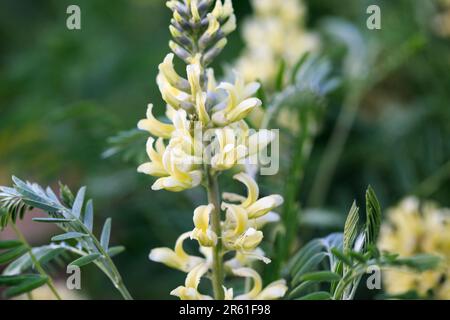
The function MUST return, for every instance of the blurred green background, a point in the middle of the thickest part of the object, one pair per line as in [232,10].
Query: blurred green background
[64,93]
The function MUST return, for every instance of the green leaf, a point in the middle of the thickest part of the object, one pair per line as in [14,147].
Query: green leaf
[78,202]
[351,227]
[373,217]
[279,81]
[321,295]
[114,251]
[15,280]
[40,205]
[298,65]
[305,254]
[12,254]
[53,220]
[106,233]
[25,286]
[322,276]
[308,266]
[420,262]
[68,236]
[357,256]
[43,254]
[80,262]
[89,215]
[304,286]
[8,244]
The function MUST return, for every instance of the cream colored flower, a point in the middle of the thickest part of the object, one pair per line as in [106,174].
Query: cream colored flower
[273,291]
[228,149]
[155,127]
[155,167]
[233,145]
[202,232]
[274,34]
[177,258]
[190,290]
[255,207]
[239,103]
[415,228]
[176,165]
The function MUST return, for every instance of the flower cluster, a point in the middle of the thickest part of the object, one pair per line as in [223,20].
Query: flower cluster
[198,106]
[416,228]
[241,234]
[271,37]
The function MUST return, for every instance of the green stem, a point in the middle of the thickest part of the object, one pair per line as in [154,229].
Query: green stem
[36,262]
[212,188]
[334,148]
[115,276]
[290,209]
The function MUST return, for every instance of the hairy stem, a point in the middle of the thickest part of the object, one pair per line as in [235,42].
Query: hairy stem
[212,188]
[36,262]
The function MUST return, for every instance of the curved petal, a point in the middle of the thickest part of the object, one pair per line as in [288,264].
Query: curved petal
[264,205]
[257,283]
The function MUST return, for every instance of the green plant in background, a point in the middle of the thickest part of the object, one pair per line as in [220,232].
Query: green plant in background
[415,228]
[74,216]
[198,105]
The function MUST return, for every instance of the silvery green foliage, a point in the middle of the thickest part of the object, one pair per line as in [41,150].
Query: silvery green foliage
[73,215]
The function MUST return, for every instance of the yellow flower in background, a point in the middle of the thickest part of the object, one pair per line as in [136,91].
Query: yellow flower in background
[442,20]
[273,34]
[414,228]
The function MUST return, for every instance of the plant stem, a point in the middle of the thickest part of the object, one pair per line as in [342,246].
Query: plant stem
[36,262]
[212,188]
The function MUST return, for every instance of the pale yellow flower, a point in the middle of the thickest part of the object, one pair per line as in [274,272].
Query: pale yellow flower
[154,126]
[254,206]
[176,165]
[233,145]
[177,258]
[273,291]
[274,34]
[239,103]
[190,289]
[202,232]
[155,167]
[415,228]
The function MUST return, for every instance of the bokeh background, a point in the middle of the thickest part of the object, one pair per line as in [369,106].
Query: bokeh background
[64,94]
